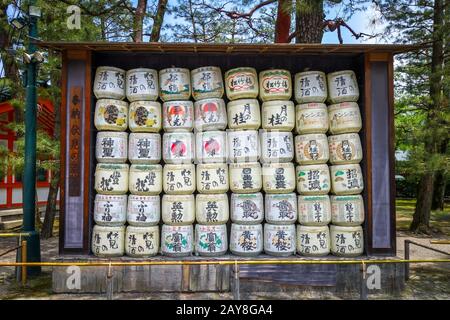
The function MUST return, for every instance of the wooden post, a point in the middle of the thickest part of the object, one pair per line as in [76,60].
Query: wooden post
[24,259]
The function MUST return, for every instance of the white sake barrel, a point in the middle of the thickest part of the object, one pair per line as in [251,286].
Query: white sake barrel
[178,116]
[111,147]
[281,208]
[244,114]
[346,179]
[143,211]
[174,84]
[145,116]
[247,208]
[278,177]
[210,114]
[345,148]
[347,241]
[311,148]
[109,83]
[110,210]
[279,240]
[310,86]
[347,210]
[278,115]
[211,147]
[313,179]
[246,240]
[177,241]
[108,241]
[243,146]
[275,84]
[344,117]
[241,83]
[314,210]
[144,148]
[179,178]
[342,86]
[142,242]
[142,84]
[211,240]
[111,115]
[111,178]
[207,83]
[277,146]
[178,209]
[313,241]
[145,180]
[212,178]
[245,177]
[178,147]
[311,118]
[212,208]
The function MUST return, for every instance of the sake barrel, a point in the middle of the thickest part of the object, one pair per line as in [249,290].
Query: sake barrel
[278,115]
[313,241]
[278,177]
[347,210]
[177,241]
[178,116]
[108,241]
[109,83]
[142,84]
[346,179]
[179,178]
[211,146]
[345,148]
[211,240]
[207,82]
[277,146]
[311,148]
[243,146]
[247,208]
[174,84]
[178,209]
[212,208]
[111,115]
[178,147]
[279,240]
[244,114]
[314,210]
[311,118]
[143,211]
[246,240]
[281,208]
[310,86]
[342,86]
[347,241]
[111,178]
[245,177]
[145,180]
[110,210]
[241,83]
[212,178]
[144,148]
[275,84]
[344,117]
[111,147]
[142,241]
[313,179]
[145,116]
[210,114]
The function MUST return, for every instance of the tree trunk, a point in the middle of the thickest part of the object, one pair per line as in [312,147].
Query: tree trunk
[421,218]
[309,17]
[283,23]
[37,213]
[139,20]
[158,20]
[439,191]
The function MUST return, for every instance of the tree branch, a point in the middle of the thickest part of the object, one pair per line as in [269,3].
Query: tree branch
[238,15]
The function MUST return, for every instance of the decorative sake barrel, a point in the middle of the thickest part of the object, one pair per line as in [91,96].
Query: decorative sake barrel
[111,147]
[344,117]
[109,83]
[212,208]
[345,148]
[142,242]
[281,208]
[145,180]
[178,147]
[108,241]
[314,210]
[244,114]
[143,211]
[278,115]
[275,84]
[144,148]
[243,146]
[211,146]
[145,116]
[313,179]
[241,83]
[342,86]
[279,240]
[178,210]
[179,178]
[247,208]
[278,177]
[277,146]
[174,84]
[142,84]
[246,240]
[110,210]
[311,118]
[347,241]
[212,178]
[111,115]
[313,241]
[177,241]
[347,210]
[310,86]
[245,177]
[178,116]
[346,179]
[207,83]
[311,148]
[210,114]
[111,178]
[210,240]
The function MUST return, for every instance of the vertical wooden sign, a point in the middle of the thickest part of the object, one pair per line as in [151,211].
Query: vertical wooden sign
[75,143]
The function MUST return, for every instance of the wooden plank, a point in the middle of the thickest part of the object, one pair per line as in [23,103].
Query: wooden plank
[87,152]
[367,150]
[393,250]
[62,156]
